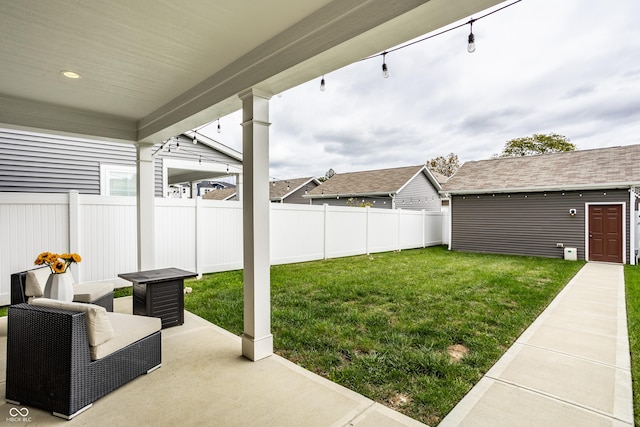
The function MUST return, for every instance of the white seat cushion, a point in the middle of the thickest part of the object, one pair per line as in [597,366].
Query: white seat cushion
[99,328]
[127,329]
[88,292]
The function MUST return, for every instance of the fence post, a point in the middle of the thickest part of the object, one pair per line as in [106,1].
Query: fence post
[326,230]
[424,229]
[199,218]
[74,233]
[366,236]
[399,230]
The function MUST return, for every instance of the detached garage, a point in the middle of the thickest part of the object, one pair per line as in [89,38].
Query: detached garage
[580,204]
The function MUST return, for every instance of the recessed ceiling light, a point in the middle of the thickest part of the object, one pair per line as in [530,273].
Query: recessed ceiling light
[70,74]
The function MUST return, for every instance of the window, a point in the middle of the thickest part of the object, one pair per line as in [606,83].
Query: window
[116,180]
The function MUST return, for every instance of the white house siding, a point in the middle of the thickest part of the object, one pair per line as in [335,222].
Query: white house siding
[527,223]
[419,194]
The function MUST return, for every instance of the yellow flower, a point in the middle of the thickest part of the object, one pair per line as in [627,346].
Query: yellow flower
[58,263]
[59,266]
[42,258]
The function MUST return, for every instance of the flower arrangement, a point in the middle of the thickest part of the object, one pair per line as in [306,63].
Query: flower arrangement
[58,263]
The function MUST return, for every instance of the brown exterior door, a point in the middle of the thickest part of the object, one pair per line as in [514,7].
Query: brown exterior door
[605,233]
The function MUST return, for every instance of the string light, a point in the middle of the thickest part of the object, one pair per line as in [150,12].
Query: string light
[385,69]
[195,140]
[470,22]
[471,46]
[219,129]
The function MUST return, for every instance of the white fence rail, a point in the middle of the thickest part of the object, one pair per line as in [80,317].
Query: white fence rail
[194,234]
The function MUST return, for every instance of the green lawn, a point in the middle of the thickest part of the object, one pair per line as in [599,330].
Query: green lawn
[413,330]
[632,283]
[393,326]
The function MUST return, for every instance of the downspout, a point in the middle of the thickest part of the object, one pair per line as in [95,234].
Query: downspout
[393,201]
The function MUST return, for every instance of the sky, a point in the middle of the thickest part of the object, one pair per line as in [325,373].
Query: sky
[570,67]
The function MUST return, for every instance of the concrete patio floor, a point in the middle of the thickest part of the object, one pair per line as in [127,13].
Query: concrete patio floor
[205,381]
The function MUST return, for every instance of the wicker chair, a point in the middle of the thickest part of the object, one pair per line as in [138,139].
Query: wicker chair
[99,294]
[49,360]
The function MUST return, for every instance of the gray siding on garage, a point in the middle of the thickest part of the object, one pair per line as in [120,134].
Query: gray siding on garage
[419,194]
[298,195]
[531,225]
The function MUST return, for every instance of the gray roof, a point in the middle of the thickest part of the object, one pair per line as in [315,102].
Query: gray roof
[220,194]
[615,167]
[373,182]
[281,189]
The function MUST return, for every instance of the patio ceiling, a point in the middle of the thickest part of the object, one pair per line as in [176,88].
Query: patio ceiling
[152,69]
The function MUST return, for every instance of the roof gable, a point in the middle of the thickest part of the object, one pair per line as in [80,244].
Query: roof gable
[279,190]
[373,182]
[598,168]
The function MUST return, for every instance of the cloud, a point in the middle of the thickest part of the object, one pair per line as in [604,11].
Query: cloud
[540,66]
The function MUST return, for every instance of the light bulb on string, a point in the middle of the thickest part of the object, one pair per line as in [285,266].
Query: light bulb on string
[385,69]
[471,46]
[219,129]
[177,146]
[322,84]
[195,140]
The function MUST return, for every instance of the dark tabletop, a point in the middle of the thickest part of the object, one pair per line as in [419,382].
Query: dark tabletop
[158,275]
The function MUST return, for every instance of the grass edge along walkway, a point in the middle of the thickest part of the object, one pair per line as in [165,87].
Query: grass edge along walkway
[632,294]
[413,330]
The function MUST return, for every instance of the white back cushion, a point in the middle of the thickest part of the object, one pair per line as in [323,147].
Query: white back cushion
[99,328]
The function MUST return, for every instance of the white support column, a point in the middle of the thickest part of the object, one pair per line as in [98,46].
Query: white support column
[239,186]
[257,341]
[145,194]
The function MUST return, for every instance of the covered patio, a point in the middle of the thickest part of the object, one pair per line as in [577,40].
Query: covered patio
[143,72]
[204,380]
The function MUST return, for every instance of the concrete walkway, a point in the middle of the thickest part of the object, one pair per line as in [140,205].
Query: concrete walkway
[570,368]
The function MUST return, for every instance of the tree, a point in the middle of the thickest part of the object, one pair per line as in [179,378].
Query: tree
[538,143]
[447,166]
[327,175]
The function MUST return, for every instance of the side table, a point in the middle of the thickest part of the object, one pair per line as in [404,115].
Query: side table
[159,293]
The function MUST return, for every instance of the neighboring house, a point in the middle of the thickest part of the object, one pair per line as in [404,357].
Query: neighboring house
[542,205]
[205,186]
[410,187]
[285,191]
[292,190]
[222,194]
[38,163]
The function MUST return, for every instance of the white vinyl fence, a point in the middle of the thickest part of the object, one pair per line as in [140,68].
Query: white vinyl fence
[193,234]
